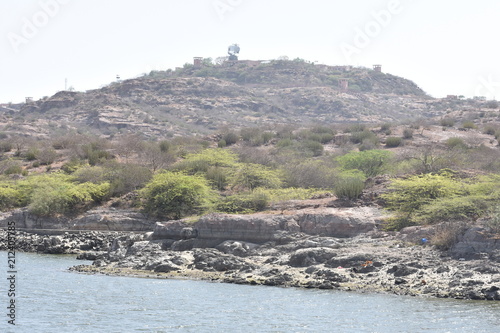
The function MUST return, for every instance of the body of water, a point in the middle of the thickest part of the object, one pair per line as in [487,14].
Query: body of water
[51,299]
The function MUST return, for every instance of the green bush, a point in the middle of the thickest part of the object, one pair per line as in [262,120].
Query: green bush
[370,162]
[432,198]
[314,147]
[15,169]
[175,195]
[385,127]
[5,146]
[95,153]
[72,165]
[349,185]
[493,221]
[218,177]
[10,197]
[251,176]
[32,154]
[456,143]
[407,133]
[468,125]
[359,137]
[122,177]
[165,146]
[490,130]
[208,158]
[309,173]
[243,203]
[47,156]
[59,197]
[393,142]
[447,122]
[355,128]
[54,194]
[412,193]
[222,143]
[231,138]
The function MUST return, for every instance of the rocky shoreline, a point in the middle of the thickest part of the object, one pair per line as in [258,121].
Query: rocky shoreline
[376,262]
[330,248]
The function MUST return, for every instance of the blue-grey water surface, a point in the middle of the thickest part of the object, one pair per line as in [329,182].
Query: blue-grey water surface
[51,299]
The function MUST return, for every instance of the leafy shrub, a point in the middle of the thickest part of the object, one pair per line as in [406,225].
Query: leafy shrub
[283,143]
[359,137]
[321,134]
[371,162]
[256,136]
[455,143]
[308,174]
[447,122]
[251,176]
[122,177]
[385,127]
[412,193]
[95,154]
[47,156]
[203,161]
[407,133]
[291,193]
[468,124]
[5,146]
[218,177]
[62,197]
[222,143]
[243,203]
[393,142]
[165,146]
[314,147]
[52,194]
[493,221]
[32,154]
[231,138]
[15,169]
[72,165]
[490,130]
[433,198]
[10,197]
[175,195]
[349,185]
[10,166]
[356,128]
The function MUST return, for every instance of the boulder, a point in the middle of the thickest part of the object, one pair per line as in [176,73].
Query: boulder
[169,229]
[311,256]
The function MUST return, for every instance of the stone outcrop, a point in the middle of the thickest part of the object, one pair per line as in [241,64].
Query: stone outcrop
[261,228]
[381,264]
[476,243]
[340,222]
[101,219]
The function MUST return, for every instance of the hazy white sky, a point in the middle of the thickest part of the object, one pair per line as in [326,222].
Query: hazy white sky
[445,46]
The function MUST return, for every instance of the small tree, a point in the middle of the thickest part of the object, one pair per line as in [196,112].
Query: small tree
[370,162]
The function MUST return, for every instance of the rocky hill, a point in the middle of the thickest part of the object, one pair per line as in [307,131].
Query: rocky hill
[239,94]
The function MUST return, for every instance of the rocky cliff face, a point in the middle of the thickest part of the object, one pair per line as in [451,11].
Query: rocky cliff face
[261,228]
